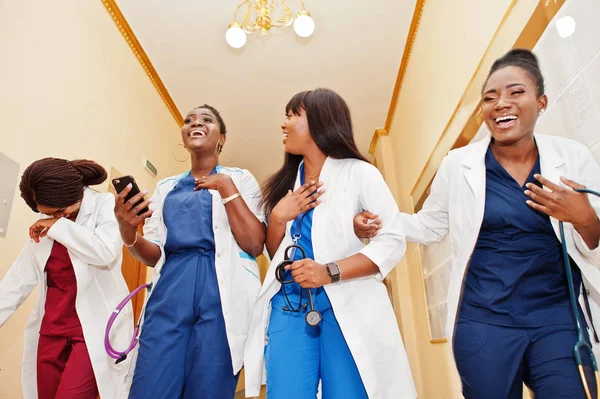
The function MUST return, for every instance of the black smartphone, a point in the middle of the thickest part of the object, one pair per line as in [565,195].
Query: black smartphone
[121,182]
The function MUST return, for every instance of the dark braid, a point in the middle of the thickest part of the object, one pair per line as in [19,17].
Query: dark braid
[58,183]
[222,126]
[523,59]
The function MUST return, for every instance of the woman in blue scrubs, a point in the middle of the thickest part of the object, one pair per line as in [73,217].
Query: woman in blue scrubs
[205,230]
[515,324]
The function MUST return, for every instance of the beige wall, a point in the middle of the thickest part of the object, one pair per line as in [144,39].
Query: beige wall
[452,39]
[71,88]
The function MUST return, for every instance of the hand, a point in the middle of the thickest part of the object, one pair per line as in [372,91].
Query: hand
[294,203]
[127,214]
[40,228]
[366,225]
[309,274]
[562,203]
[213,182]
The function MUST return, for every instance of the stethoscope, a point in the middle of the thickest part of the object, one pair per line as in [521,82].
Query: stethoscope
[313,317]
[112,352]
[581,342]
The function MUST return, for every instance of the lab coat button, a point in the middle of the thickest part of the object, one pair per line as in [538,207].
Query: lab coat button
[218,254]
[216,227]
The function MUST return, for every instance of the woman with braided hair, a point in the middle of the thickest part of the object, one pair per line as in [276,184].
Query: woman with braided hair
[74,255]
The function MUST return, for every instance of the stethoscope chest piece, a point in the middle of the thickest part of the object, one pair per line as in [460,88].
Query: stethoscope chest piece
[313,318]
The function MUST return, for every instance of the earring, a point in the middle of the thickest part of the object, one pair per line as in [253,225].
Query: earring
[179,158]
[542,111]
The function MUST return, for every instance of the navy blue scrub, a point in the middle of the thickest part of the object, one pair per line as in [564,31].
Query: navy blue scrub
[183,350]
[298,356]
[515,323]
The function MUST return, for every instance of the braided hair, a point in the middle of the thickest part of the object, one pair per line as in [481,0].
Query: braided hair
[58,183]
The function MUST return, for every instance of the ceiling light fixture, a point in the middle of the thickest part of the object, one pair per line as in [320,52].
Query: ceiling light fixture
[262,15]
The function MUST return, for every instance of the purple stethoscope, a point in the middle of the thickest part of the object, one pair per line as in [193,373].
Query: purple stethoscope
[112,352]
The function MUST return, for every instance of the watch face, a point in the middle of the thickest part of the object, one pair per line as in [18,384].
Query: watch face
[313,318]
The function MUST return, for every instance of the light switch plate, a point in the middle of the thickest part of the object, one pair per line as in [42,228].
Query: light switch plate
[9,175]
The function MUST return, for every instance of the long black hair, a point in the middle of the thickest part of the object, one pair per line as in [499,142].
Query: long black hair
[330,127]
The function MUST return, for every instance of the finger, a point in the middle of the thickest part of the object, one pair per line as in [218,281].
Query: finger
[298,264]
[145,215]
[312,205]
[547,183]
[44,233]
[141,206]
[538,207]
[314,196]
[571,183]
[538,194]
[129,204]
[369,215]
[300,279]
[31,229]
[372,235]
[305,187]
[297,273]
[124,193]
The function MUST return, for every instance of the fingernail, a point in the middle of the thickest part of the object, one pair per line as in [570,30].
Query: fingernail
[536,175]
[527,192]
[145,191]
[129,185]
[150,200]
[312,182]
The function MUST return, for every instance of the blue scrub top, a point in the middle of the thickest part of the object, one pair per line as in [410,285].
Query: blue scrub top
[516,276]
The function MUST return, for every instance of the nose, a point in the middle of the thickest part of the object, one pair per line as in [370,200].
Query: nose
[197,123]
[502,103]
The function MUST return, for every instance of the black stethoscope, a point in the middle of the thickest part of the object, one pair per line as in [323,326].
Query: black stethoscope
[313,317]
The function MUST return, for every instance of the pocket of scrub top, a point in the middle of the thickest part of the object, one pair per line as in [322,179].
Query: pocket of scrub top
[469,337]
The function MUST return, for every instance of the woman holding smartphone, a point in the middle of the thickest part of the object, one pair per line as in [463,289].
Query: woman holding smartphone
[202,235]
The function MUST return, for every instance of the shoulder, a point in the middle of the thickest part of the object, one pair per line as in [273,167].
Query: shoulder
[237,174]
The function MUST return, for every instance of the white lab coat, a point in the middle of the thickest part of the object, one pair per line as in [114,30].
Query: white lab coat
[95,248]
[237,272]
[362,306]
[457,201]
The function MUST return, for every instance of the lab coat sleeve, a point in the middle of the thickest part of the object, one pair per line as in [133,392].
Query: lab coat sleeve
[17,283]
[154,228]
[589,176]
[387,248]
[250,191]
[430,224]
[100,247]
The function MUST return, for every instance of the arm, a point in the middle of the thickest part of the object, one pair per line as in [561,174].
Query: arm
[17,283]
[427,226]
[142,248]
[244,214]
[98,247]
[382,253]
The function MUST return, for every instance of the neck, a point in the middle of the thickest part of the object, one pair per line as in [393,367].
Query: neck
[313,163]
[203,164]
[520,151]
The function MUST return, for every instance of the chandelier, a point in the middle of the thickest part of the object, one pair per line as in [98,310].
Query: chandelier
[262,15]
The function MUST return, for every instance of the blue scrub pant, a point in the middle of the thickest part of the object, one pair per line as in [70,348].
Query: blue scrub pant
[183,350]
[494,361]
[298,355]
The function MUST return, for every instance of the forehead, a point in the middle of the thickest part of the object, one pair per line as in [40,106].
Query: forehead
[46,209]
[200,112]
[509,75]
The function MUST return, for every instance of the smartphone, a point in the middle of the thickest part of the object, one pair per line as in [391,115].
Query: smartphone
[121,182]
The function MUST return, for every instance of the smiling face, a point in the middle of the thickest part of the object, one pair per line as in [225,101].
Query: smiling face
[296,134]
[511,104]
[201,130]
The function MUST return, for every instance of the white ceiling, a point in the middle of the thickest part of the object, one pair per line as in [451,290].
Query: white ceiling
[356,50]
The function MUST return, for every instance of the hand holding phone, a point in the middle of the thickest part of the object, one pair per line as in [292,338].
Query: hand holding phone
[130,207]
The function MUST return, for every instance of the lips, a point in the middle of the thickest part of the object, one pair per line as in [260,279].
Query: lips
[505,121]
[197,133]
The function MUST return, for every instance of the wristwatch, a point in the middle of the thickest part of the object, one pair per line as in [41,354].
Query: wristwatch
[334,272]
